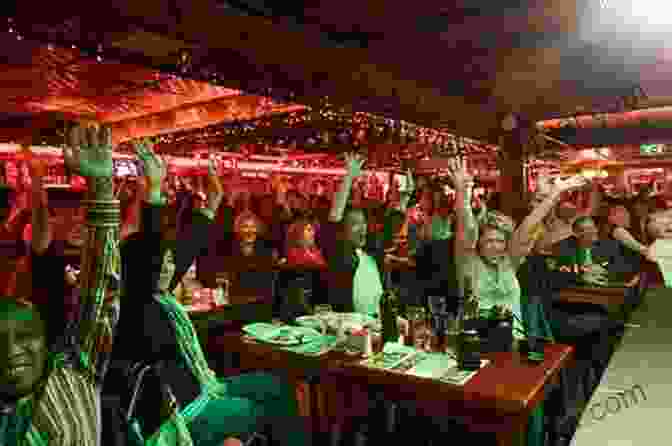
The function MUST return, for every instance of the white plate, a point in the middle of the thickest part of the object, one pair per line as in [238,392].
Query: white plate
[283,335]
[350,321]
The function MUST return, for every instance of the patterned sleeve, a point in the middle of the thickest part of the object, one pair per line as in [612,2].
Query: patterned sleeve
[99,311]
[100,281]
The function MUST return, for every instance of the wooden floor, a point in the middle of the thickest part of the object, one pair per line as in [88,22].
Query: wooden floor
[633,403]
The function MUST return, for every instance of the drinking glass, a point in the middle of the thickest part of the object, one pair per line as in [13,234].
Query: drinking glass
[437,304]
[323,311]
[419,332]
[452,333]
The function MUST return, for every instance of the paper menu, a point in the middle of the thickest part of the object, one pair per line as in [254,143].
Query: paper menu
[661,250]
[402,359]
[391,356]
[443,368]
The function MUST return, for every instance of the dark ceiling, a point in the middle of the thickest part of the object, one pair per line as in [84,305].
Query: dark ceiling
[460,65]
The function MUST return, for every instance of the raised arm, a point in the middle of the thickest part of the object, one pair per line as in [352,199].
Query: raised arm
[132,218]
[407,192]
[192,239]
[42,233]
[623,235]
[466,224]
[521,242]
[354,168]
[90,155]
[152,195]
[215,190]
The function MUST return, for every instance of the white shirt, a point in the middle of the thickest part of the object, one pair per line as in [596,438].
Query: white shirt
[367,288]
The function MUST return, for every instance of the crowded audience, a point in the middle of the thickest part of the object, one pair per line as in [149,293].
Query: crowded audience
[344,252]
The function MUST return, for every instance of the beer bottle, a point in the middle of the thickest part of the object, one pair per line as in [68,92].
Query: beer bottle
[388,315]
[468,344]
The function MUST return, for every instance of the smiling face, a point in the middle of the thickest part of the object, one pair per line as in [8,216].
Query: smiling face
[308,233]
[356,228]
[492,244]
[538,198]
[247,230]
[23,350]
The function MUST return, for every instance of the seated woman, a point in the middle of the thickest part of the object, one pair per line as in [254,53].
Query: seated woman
[298,283]
[159,329]
[490,253]
[49,387]
[493,259]
[301,247]
[184,292]
[248,259]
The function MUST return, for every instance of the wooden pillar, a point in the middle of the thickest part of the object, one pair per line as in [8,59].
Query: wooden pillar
[512,186]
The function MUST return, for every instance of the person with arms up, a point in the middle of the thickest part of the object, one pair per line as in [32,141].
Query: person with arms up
[157,328]
[51,375]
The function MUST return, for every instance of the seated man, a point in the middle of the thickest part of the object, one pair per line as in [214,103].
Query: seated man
[589,260]
[585,260]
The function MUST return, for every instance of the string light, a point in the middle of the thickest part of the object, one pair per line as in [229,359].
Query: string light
[329,123]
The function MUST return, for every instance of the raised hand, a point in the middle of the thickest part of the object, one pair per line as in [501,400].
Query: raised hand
[410,184]
[353,164]
[458,173]
[90,152]
[154,166]
[212,164]
[570,183]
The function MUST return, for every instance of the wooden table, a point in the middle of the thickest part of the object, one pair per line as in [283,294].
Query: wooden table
[241,310]
[594,295]
[498,399]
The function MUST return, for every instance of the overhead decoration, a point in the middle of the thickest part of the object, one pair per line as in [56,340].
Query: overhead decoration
[318,128]
[326,130]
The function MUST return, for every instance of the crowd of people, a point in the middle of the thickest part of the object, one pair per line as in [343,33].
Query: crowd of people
[52,381]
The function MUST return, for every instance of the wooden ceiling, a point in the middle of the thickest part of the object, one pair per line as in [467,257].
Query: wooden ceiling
[59,80]
[461,66]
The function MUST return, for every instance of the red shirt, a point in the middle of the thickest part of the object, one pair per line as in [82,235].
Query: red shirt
[305,256]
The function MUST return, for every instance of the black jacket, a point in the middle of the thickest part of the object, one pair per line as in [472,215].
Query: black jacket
[145,332]
[342,263]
